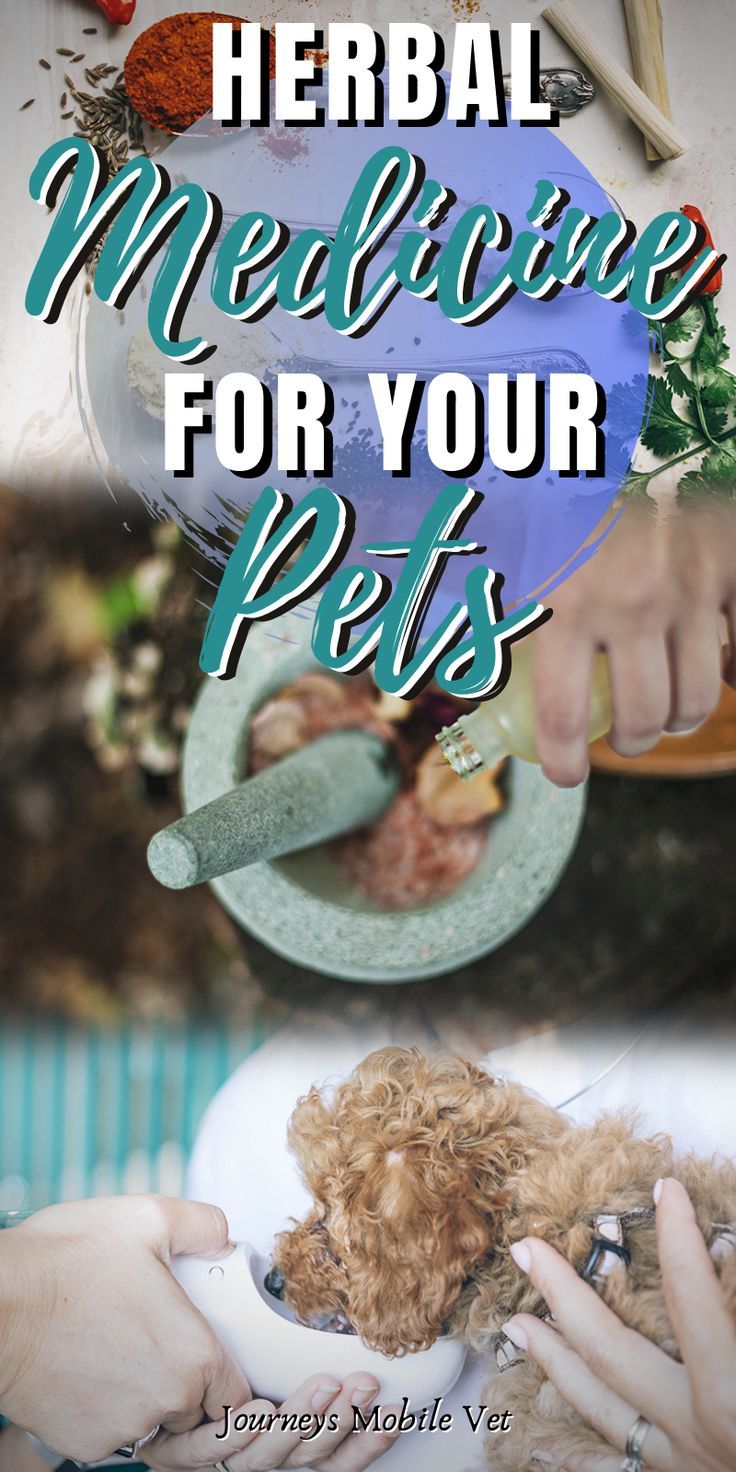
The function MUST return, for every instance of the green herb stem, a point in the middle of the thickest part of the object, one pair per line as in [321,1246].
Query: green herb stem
[686,455]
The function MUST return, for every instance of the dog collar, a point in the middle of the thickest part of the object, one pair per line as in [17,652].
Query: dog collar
[608,1251]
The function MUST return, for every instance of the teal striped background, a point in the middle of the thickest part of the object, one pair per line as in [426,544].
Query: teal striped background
[100,1110]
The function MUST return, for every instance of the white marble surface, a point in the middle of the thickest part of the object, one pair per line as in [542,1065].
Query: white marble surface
[42,445]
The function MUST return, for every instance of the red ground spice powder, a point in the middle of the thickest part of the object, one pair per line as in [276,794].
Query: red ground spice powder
[168,70]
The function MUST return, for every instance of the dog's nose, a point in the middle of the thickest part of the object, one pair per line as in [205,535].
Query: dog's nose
[274,1283]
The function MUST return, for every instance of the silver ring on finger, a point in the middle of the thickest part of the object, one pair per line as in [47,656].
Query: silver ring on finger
[635,1445]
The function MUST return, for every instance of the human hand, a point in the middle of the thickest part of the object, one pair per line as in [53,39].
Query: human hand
[652,598]
[612,1375]
[98,1343]
[337,1447]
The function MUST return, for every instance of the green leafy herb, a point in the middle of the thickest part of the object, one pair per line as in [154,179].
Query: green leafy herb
[678,380]
[682,328]
[691,413]
[665,432]
[712,348]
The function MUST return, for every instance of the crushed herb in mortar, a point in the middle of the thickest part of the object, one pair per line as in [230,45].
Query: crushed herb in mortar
[436,830]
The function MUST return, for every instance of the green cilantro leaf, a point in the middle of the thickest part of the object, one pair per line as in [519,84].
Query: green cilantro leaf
[716,475]
[678,380]
[636,488]
[722,462]
[718,387]
[623,406]
[665,432]
[634,325]
[682,328]
[715,419]
[712,350]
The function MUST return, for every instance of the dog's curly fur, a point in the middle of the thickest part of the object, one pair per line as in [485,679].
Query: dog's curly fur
[424,1169]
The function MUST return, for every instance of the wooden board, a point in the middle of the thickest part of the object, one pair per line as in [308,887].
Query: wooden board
[708,752]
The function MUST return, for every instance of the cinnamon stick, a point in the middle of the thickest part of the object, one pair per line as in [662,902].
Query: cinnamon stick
[657,128]
[644,24]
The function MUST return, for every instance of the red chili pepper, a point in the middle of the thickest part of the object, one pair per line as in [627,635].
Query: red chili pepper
[118,12]
[715,282]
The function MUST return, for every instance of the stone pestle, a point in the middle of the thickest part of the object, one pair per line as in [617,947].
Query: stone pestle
[333,785]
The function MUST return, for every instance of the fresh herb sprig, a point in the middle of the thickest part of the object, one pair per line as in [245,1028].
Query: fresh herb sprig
[691,406]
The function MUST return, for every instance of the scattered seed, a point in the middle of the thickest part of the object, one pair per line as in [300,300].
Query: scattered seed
[64,51]
[107,120]
[63,99]
[44,63]
[90,31]
[66,115]
[24,105]
[79,56]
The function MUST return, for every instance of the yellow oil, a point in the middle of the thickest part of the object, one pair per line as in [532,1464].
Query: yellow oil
[505,726]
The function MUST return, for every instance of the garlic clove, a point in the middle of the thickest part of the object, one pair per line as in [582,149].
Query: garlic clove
[447,800]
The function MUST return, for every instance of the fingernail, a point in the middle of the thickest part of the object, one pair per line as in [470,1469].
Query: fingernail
[516,1334]
[657,1192]
[393,1411]
[325,1394]
[521,1255]
[363,1395]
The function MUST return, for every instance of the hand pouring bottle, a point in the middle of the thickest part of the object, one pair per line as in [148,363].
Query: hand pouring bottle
[504,725]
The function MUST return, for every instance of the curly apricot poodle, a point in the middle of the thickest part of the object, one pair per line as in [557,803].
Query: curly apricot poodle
[425,1169]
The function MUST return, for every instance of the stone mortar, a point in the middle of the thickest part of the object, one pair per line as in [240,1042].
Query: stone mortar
[300,905]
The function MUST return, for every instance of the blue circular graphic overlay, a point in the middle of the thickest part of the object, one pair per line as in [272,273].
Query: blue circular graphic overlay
[530,528]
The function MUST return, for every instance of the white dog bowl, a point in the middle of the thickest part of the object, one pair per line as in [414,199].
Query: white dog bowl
[276,1354]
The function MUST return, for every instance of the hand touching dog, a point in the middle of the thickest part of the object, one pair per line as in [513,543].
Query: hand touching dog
[427,1173]
[337,1448]
[611,1375]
